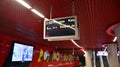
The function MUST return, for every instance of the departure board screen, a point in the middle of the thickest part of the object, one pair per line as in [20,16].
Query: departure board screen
[60,27]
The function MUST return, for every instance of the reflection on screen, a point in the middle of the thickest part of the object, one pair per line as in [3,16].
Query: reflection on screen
[55,29]
[22,52]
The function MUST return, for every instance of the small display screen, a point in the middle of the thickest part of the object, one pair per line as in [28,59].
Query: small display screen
[22,52]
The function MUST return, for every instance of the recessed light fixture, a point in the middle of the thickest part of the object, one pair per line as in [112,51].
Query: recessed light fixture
[24,4]
[37,13]
[82,49]
[75,43]
[115,38]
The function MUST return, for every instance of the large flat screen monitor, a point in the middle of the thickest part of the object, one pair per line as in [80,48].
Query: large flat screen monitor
[64,28]
[22,52]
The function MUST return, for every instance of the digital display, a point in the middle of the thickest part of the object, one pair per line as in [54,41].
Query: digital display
[22,52]
[55,29]
[61,27]
[104,53]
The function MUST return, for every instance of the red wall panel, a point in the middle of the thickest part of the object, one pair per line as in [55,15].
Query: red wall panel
[5,45]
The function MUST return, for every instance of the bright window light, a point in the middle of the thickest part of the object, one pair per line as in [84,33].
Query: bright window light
[115,38]
[24,4]
[38,13]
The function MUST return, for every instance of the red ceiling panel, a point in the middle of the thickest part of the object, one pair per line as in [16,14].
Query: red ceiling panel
[94,17]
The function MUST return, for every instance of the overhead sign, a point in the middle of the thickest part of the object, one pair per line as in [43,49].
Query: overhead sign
[65,28]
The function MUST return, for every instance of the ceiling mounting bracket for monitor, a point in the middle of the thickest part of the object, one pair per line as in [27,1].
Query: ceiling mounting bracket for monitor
[51,11]
[73,7]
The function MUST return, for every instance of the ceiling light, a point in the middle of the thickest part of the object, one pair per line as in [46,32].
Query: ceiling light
[105,49]
[38,13]
[82,49]
[115,38]
[76,43]
[24,4]
[46,18]
[103,45]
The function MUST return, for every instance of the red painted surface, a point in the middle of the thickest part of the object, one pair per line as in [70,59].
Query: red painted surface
[5,45]
[111,30]
[54,64]
[94,17]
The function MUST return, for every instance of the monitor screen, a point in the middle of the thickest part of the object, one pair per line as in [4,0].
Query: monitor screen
[22,52]
[61,28]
